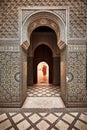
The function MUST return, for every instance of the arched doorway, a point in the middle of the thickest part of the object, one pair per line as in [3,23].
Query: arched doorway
[45,18]
[43,47]
[42,53]
[42,73]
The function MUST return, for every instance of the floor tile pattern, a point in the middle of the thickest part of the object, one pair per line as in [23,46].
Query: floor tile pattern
[43,119]
[43,91]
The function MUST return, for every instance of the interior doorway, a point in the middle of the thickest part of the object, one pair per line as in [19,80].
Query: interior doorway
[43,47]
[43,53]
[44,30]
[42,73]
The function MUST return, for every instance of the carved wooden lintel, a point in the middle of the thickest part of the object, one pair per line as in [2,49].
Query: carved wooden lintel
[61,45]
[25,45]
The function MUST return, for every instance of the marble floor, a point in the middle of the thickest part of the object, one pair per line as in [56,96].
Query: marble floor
[43,102]
[43,110]
[43,96]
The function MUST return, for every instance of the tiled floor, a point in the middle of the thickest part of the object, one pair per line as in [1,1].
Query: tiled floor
[43,96]
[43,119]
[42,111]
[43,90]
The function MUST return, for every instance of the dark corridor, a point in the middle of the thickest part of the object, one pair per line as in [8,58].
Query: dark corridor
[43,53]
[43,48]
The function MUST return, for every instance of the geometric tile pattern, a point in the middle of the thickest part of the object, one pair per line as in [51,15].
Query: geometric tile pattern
[43,91]
[9,15]
[77,74]
[43,119]
[9,76]
[78,20]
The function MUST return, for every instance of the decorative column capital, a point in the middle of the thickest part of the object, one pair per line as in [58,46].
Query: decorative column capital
[61,45]
[25,45]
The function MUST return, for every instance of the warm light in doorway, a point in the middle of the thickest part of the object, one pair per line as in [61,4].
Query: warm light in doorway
[43,73]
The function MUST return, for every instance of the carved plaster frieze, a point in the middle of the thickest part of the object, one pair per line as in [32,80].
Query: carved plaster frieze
[44,22]
[33,17]
[76,48]
[78,41]
[9,48]
[59,12]
[9,44]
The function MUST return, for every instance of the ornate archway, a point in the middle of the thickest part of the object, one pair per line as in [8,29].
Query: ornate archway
[44,18]
[50,18]
[43,53]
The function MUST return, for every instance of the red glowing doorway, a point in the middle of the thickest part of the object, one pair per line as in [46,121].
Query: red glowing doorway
[42,73]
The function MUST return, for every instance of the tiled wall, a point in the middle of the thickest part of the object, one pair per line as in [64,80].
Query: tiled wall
[9,77]
[76,74]
[10,88]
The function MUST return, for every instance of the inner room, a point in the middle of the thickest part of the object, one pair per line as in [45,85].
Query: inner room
[43,48]
[43,70]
